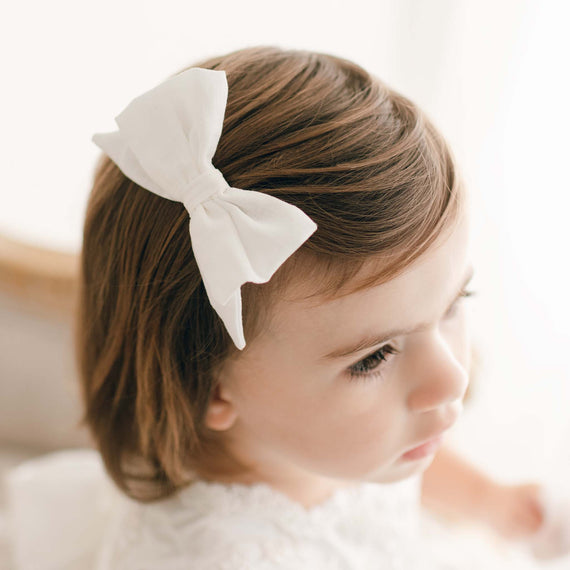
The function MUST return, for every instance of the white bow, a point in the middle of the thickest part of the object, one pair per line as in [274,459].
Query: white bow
[165,143]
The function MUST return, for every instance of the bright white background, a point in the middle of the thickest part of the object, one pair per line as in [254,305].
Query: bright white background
[492,75]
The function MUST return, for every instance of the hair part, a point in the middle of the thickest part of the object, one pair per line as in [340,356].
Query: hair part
[312,129]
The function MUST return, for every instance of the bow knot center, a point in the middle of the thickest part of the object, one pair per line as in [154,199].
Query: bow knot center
[203,187]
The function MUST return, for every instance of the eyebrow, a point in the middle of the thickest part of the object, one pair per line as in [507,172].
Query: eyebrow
[370,341]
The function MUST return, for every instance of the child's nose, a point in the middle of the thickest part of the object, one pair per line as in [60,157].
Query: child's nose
[439,377]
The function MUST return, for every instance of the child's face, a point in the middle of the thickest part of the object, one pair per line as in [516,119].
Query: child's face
[294,412]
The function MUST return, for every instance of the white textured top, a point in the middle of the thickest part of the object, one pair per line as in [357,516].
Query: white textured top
[213,526]
[66,515]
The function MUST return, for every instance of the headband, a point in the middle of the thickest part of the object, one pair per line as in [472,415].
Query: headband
[165,143]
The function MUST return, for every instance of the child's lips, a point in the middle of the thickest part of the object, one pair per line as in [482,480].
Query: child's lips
[424,449]
[427,446]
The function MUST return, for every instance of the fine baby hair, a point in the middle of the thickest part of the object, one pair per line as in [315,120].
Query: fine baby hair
[316,131]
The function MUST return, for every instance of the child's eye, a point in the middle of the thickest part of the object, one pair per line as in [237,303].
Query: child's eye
[369,366]
[464,293]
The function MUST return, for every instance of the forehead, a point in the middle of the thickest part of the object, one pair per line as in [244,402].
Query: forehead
[417,294]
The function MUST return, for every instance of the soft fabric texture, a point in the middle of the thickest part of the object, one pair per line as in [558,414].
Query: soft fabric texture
[165,143]
[58,507]
[67,516]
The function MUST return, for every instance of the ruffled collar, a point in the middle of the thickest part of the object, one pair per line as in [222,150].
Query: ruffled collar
[358,507]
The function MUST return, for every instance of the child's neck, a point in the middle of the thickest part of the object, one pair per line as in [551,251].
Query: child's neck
[306,489]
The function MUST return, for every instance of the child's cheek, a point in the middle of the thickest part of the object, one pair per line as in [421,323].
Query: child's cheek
[350,437]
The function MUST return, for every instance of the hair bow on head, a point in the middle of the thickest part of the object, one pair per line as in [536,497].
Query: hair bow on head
[165,143]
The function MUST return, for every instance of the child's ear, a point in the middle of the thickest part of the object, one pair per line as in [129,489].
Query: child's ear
[221,413]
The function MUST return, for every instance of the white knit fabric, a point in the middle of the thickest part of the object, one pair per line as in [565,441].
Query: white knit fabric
[212,526]
[215,526]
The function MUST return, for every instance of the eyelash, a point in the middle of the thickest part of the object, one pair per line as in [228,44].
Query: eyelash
[464,293]
[372,371]
[379,356]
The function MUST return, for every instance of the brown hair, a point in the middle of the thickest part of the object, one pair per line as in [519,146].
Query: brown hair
[312,129]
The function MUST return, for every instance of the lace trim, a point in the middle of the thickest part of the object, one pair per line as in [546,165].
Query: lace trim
[367,519]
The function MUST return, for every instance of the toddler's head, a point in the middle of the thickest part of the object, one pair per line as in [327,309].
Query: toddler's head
[356,349]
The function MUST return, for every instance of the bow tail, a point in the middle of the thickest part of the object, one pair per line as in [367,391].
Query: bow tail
[230,313]
[241,236]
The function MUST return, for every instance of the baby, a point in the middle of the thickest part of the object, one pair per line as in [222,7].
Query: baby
[284,371]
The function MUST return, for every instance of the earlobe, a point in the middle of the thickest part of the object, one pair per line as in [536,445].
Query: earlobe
[221,413]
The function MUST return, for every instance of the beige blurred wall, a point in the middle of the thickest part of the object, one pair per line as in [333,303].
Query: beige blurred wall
[39,399]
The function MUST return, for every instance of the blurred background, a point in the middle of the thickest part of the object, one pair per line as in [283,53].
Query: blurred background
[492,75]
